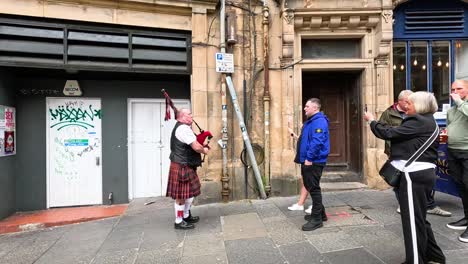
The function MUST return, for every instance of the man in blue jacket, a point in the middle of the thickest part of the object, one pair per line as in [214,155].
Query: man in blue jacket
[313,147]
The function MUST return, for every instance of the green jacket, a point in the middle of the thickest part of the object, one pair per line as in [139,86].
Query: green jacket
[457,125]
[391,117]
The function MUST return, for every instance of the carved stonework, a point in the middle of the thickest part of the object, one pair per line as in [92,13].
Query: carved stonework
[387,15]
[288,15]
[381,61]
[398,2]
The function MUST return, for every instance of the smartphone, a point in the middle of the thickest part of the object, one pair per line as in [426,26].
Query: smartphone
[365,108]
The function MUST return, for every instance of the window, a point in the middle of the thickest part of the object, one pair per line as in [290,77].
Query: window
[331,49]
[399,68]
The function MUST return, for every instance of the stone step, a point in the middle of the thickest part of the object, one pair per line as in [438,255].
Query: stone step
[340,176]
[341,186]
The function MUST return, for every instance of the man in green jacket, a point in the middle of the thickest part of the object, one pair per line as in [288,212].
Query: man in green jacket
[393,116]
[457,130]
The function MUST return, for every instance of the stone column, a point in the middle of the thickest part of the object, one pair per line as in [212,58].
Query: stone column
[199,91]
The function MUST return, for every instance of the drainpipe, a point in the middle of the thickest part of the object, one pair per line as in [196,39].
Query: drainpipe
[266,94]
[225,177]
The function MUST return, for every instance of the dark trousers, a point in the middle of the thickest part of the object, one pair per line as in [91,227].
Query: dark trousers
[430,198]
[427,248]
[458,169]
[311,175]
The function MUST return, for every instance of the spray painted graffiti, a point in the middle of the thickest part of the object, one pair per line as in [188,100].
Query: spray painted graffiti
[73,114]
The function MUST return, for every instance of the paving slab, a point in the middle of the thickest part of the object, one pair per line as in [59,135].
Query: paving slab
[126,256]
[159,256]
[217,258]
[284,232]
[242,226]
[381,242]
[253,251]
[354,256]
[333,241]
[302,252]
[208,244]
[269,212]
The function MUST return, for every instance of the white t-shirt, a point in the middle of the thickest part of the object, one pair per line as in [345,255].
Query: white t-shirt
[185,134]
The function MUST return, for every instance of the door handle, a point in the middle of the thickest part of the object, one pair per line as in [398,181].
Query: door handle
[98,161]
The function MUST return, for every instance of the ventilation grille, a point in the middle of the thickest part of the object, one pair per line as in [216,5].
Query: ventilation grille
[434,21]
[71,46]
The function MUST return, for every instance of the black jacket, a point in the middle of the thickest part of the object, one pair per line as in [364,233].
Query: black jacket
[406,139]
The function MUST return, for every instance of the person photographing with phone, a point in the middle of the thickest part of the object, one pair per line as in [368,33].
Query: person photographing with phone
[413,134]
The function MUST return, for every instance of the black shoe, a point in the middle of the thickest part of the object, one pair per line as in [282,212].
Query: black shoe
[192,219]
[312,225]
[184,225]
[458,225]
[464,236]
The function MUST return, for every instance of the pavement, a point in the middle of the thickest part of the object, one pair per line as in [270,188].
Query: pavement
[28,221]
[363,227]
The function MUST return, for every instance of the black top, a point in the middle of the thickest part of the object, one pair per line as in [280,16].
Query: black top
[407,138]
[182,153]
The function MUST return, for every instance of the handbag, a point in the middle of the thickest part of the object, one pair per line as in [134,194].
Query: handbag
[392,175]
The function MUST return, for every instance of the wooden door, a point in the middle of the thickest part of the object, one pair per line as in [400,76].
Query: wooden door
[333,105]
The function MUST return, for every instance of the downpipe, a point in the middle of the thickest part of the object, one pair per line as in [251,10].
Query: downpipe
[225,192]
[266,94]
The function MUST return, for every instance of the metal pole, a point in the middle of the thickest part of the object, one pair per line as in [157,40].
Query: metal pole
[245,136]
[224,138]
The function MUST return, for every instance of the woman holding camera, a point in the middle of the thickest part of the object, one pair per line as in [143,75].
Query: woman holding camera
[406,139]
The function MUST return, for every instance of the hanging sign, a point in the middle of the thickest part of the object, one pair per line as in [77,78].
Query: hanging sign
[7,130]
[72,88]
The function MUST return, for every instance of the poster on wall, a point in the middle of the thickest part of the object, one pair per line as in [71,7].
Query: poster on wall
[7,131]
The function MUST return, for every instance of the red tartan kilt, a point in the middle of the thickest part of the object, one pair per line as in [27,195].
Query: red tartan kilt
[178,189]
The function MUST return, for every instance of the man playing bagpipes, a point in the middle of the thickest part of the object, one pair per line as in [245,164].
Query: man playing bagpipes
[183,182]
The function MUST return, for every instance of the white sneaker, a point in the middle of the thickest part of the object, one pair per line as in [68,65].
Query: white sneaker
[309,210]
[296,207]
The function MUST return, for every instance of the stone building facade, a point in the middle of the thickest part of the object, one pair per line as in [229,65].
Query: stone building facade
[284,52]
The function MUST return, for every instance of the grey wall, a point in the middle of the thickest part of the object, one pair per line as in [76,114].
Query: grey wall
[7,164]
[31,174]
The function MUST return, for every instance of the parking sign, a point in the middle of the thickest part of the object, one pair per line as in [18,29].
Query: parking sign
[224,62]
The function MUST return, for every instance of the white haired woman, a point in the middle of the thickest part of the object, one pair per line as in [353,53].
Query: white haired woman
[406,139]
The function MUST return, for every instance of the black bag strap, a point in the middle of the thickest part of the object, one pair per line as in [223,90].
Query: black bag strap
[423,148]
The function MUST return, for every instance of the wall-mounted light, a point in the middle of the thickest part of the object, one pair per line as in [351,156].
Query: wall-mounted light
[415,62]
[402,67]
[447,64]
[424,67]
[439,63]
[458,44]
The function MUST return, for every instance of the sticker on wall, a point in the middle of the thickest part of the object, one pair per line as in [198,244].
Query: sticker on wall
[7,130]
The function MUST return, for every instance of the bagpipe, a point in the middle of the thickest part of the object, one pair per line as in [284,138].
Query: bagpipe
[201,136]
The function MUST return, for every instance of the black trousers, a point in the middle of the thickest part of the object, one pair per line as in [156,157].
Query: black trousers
[430,198]
[458,169]
[427,248]
[311,175]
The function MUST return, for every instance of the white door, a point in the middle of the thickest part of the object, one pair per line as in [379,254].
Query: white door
[149,146]
[74,166]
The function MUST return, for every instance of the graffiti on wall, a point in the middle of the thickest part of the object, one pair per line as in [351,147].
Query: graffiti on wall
[73,113]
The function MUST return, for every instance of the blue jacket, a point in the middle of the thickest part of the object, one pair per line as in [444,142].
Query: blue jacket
[314,142]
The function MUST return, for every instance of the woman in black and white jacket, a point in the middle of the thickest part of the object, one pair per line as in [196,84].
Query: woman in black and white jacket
[406,139]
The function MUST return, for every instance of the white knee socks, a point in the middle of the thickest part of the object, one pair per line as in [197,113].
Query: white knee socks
[188,204]
[179,212]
